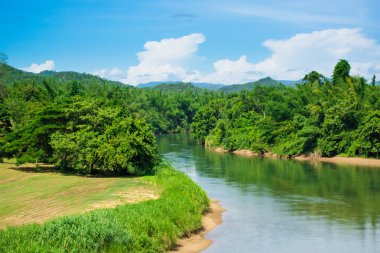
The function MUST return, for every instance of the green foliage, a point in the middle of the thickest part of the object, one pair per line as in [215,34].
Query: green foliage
[267,81]
[100,139]
[315,116]
[205,120]
[150,226]
[367,141]
[341,71]
[314,77]
[265,116]
[88,124]
[31,141]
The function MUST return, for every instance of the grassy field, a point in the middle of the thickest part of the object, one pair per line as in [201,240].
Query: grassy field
[147,226]
[28,197]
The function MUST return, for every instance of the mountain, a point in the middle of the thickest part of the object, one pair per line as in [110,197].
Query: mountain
[290,82]
[65,76]
[176,87]
[10,75]
[209,86]
[267,81]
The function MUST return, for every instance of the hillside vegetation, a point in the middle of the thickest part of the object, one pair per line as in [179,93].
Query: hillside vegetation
[91,125]
[149,226]
[333,117]
[88,124]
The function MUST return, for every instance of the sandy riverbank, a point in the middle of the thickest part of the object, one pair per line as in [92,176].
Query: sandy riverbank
[357,161]
[198,242]
[345,160]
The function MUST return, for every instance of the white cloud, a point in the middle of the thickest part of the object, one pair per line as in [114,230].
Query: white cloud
[168,59]
[112,74]
[230,72]
[320,50]
[37,68]
[103,73]
[174,59]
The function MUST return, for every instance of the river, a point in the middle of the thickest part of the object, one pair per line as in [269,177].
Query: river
[285,206]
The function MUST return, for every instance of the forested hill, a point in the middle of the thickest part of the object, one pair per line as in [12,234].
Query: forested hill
[83,122]
[89,124]
[327,117]
[267,81]
[176,87]
[209,86]
[220,87]
[10,75]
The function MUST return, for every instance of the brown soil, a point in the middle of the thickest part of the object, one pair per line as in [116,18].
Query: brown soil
[198,242]
[132,196]
[370,162]
[245,152]
[352,161]
[220,150]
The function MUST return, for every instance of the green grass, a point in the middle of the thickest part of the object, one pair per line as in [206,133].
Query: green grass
[149,226]
[28,197]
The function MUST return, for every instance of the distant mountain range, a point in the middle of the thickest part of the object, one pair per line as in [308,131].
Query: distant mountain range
[209,86]
[226,88]
[10,75]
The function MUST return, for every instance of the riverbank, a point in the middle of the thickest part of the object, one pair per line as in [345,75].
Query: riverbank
[148,226]
[357,161]
[345,160]
[198,242]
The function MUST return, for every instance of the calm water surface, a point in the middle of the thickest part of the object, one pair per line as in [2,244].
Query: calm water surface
[281,205]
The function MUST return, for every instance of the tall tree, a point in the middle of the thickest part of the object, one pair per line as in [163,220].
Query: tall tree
[313,77]
[341,71]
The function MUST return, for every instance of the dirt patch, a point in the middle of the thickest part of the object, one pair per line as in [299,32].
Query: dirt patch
[133,196]
[357,161]
[352,161]
[198,242]
[220,150]
[246,152]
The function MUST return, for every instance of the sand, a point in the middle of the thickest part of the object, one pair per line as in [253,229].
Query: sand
[198,242]
[357,161]
[352,161]
[245,152]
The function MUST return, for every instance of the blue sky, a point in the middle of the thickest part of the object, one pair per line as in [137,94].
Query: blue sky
[200,41]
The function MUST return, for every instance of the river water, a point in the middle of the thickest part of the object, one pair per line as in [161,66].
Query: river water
[283,206]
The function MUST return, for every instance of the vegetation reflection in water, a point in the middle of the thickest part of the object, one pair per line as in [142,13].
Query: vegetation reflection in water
[346,194]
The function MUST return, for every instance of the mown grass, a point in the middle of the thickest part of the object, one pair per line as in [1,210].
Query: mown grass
[27,197]
[150,226]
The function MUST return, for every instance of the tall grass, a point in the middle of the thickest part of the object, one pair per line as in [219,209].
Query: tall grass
[150,226]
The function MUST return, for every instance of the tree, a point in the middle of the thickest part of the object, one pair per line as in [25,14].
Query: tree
[367,142]
[205,120]
[341,71]
[373,80]
[313,77]
[127,147]
[31,142]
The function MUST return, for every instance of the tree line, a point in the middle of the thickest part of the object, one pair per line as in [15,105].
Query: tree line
[327,117]
[87,124]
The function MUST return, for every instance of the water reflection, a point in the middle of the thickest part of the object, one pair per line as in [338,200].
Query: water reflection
[323,192]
